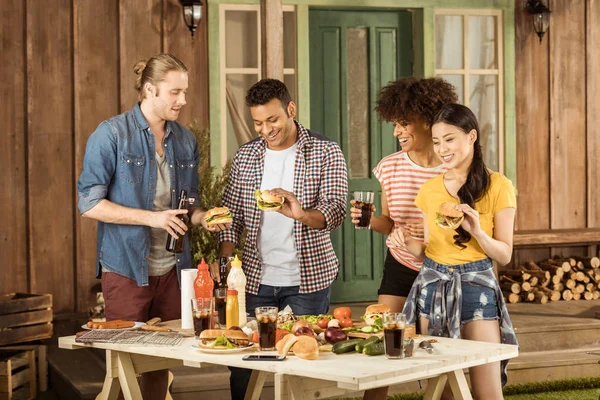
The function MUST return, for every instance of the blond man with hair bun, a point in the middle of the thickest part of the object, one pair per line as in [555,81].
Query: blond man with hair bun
[134,168]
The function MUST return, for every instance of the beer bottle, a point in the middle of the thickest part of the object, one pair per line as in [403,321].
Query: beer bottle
[176,245]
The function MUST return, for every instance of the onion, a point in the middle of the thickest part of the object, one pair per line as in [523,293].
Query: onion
[333,323]
[299,324]
[334,335]
[304,330]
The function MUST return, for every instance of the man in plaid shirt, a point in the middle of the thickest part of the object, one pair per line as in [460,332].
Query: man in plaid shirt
[288,257]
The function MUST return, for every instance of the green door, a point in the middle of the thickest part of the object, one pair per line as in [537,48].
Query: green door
[352,55]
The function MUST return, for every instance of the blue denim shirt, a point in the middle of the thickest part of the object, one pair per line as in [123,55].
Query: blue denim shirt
[120,166]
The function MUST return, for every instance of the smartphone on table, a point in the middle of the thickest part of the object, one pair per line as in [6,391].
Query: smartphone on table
[263,357]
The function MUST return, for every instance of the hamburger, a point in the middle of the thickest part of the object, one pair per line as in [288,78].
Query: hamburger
[220,339]
[218,215]
[448,217]
[374,312]
[266,201]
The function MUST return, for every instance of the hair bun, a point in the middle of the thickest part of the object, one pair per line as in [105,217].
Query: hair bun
[139,67]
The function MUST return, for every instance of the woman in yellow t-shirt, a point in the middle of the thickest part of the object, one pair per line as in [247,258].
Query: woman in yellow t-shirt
[456,293]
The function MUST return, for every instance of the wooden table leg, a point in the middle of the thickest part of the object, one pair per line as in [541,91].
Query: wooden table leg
[255,386]
[128,377]
[282,391]
[111,387]
[458,383]
[435,387]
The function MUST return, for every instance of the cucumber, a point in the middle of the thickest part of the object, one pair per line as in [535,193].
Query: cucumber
[367,329]
[359,346]
[371,339]
[345,346]
[375,349]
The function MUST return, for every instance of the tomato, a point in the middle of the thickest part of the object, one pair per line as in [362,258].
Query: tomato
[255,337]
[342,312]
[346,322]
[279,334]
[322,323]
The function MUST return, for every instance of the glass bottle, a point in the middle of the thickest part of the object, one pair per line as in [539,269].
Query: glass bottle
[176,245]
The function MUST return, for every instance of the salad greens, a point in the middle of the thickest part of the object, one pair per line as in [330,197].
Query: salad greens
[221,341]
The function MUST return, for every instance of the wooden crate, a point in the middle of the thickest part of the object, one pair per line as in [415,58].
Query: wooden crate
[25,317]
[17,374]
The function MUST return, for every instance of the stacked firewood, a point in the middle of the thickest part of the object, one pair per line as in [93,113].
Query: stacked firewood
[572,278]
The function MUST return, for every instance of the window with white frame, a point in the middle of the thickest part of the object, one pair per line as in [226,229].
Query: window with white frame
[468,49]
[240,59]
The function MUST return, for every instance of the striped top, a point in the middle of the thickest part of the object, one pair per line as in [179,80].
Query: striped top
[401,179]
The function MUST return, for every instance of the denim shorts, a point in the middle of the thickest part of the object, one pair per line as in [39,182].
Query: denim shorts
[478,302]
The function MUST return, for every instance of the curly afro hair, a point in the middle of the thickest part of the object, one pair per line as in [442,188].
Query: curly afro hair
[414,99]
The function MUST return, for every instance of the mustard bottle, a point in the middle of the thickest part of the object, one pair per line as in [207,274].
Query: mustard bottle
[232,309]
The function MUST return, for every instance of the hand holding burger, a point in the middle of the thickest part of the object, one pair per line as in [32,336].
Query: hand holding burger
[449,216]
[217,219]
[267,201]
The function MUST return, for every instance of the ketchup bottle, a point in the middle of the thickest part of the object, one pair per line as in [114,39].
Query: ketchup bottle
[203,284]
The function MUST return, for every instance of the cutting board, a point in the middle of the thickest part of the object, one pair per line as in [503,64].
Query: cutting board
[175,325]
[409,332]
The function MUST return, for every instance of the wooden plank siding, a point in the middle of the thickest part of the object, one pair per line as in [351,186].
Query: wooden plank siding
[593,110]
[67,65]
[533,130]
[96,65]
[13,163]
[558,112]
[568,184]
[50,150]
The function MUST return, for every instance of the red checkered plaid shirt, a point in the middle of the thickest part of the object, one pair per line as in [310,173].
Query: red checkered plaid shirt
[320,183]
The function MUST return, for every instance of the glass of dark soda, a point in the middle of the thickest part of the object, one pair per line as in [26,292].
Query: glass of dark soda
[364,201]
[201,313]
[221,305]
[266,318]
[393,334]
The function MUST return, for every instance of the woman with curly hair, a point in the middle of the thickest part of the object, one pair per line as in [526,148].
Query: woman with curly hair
[410,104]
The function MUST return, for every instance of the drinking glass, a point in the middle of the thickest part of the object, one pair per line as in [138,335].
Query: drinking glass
[393,334]
[364,201]
[266,317]
[201,313]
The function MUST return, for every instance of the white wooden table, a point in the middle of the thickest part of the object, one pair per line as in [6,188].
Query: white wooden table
[330,375]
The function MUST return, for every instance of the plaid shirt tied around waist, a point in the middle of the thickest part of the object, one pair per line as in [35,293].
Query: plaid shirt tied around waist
[446,306]
[320,183]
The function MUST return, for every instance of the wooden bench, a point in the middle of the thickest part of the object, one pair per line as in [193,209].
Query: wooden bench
[557,237]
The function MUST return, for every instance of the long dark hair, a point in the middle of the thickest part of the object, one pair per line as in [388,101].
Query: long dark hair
[478,179]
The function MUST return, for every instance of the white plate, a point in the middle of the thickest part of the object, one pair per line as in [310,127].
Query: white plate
[137,325]
[223,351]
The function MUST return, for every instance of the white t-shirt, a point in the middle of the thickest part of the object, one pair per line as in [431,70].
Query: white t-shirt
[276,243]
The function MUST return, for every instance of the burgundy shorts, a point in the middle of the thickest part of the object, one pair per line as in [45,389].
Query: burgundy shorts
[124,299]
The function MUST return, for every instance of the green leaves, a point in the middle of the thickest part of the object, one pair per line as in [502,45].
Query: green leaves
[212,182]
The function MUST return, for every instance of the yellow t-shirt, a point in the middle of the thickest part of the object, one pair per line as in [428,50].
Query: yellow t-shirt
[440,245]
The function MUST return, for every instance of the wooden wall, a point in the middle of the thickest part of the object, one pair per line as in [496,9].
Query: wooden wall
[558,114]
[66,65]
